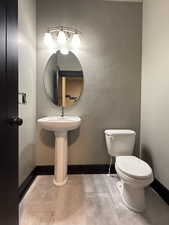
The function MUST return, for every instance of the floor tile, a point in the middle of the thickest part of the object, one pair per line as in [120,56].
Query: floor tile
[86,200]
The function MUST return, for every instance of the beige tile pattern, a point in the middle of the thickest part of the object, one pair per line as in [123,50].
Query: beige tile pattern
[86,200]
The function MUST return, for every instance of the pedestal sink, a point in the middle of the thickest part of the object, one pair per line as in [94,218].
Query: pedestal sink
[60,126]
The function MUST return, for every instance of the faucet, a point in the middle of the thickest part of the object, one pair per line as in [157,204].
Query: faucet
[62,111]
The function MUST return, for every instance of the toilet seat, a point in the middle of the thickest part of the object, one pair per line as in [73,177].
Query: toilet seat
[133,167]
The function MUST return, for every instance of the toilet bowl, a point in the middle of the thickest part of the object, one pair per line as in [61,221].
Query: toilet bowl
[135,174]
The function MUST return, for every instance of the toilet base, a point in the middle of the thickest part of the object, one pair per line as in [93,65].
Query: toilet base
[119,185]
[132,197]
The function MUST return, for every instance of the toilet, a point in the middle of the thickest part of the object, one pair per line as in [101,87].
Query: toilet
[135,174]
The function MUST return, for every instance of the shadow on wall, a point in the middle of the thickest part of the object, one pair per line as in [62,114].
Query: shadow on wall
[48,137]
[73,136]
[146,155]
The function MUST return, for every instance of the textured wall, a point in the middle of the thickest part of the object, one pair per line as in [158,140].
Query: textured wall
[155,88]
[27,84]
[110,55]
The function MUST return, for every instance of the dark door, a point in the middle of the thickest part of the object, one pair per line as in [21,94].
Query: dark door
[8,113]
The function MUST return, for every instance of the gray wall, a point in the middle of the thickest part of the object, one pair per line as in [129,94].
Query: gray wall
[27,84]
[110,55]
[155,88]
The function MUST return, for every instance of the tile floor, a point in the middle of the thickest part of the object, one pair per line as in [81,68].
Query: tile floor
[86,200]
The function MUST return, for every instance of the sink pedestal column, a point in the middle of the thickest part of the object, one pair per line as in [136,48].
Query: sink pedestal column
[60,174]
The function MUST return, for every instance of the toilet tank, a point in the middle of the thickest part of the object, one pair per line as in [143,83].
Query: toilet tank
[120,142]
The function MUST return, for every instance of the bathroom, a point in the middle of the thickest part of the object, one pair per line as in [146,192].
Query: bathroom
[89,113]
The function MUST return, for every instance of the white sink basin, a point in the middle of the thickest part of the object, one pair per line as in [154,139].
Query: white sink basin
[59,123]
[60,126]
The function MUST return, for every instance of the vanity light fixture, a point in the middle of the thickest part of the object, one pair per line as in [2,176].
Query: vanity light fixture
[76,40]
[64,38]
[48,40]
[61,38]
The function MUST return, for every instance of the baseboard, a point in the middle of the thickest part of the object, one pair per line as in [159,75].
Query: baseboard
[90,169]
[161,190]
[44,170]
[24,187]
[76,169]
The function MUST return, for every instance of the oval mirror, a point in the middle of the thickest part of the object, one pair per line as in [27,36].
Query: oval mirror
[63,79]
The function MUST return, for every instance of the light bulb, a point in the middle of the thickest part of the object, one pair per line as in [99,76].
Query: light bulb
[75,41]
[48,40]
[61,37]
[64,51]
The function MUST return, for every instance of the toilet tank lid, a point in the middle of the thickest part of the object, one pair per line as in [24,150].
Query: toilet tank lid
[119,132]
